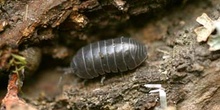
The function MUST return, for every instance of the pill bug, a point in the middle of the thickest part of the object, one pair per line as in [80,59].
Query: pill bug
[108,56]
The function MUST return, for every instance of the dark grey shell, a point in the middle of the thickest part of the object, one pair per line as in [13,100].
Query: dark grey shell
[108,56]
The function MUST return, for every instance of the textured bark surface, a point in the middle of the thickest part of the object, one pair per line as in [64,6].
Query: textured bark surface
[22,20]
[187,70]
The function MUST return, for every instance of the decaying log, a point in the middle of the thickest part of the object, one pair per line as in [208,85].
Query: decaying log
[25,20]
[21,21]
[184,67]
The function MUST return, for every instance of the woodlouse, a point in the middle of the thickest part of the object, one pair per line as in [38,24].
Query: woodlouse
[108,56]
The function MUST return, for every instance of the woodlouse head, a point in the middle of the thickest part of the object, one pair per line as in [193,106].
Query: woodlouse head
[73,66]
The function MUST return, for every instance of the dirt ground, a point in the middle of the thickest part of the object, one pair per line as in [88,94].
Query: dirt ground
[187,70]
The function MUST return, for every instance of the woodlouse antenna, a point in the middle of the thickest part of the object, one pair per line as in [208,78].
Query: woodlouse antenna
[65,71]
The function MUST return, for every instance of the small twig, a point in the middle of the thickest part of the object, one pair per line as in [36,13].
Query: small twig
[162,94]
[26,13]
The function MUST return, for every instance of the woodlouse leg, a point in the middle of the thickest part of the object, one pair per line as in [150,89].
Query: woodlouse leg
[122,75]
[102,80]
[84,82]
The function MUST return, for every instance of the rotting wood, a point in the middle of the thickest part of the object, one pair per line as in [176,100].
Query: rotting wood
[33,15]
[38,14]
